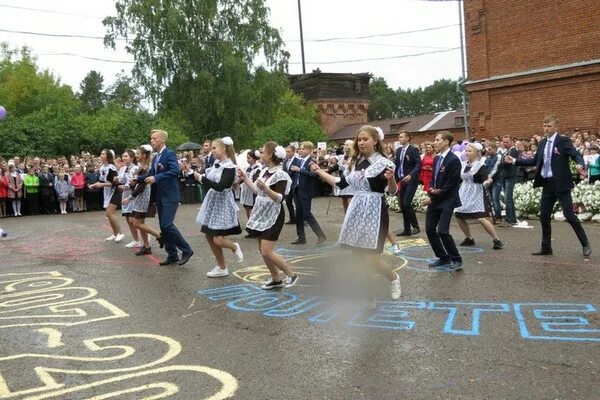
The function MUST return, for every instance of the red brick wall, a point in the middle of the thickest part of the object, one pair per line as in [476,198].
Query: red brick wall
[335,114]
[510,36]
[517,35]
[519,110]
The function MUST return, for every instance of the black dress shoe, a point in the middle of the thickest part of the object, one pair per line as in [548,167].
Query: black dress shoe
[321,240]
[299,241]
[440,264]
[143,251]
[456,266]
[467,242]
[587,250]
[415,231]
[169,261]
[185,258]
[160,241]
[542,253]
[403,233]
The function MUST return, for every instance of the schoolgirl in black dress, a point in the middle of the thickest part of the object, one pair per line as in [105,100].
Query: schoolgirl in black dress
[366,223]
[126,174]
[141,202]
[218,214]
[112,198]
[268,217]
[246,194]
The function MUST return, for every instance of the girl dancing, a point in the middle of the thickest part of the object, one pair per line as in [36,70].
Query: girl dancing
[267,218]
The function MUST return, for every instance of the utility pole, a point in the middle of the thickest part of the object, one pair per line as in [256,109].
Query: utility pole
[301,37]
[462,62]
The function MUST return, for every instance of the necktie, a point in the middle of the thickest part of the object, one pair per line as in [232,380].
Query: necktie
[546,170]
[438,166]
[402,154]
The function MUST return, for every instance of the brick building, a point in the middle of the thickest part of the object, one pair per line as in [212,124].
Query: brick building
[423,127]
[530,58]
[341,99]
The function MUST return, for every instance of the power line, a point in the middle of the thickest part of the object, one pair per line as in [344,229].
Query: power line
[86,57]
[384,34]
[50,11]
[62,35]
[380,58]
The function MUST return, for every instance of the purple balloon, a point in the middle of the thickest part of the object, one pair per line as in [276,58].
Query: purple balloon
[2,112]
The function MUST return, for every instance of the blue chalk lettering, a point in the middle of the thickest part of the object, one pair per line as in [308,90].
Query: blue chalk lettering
[389,315]
[230,292]
[472,318]
[557,321]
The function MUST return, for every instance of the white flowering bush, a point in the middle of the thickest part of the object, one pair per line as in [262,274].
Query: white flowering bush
[587,197]
[392,202]
[394,205]
[420,195]
[527,199]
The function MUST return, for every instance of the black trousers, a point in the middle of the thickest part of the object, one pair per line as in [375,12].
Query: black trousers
[437,226]
[406,196]
[549,198]
[33,203]
[303,213]
[289,202]
[47,201]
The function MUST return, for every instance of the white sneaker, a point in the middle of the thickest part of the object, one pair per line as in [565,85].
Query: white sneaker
[119,237]
[217,272]
[111,237]
[395,288]
[238,253]
[133,244]
[395,249]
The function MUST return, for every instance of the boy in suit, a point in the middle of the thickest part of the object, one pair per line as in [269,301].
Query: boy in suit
[442,199]
[164,172]
[408,168]
[554,176]
[291,159]
[305,191]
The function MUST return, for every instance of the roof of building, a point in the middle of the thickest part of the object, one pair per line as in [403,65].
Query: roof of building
[419,123]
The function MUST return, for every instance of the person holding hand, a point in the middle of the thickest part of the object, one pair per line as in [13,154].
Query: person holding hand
[554,177]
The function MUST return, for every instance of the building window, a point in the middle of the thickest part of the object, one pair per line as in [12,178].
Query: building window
[459,121]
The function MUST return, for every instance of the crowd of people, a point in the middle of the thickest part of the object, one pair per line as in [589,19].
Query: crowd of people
[462,180]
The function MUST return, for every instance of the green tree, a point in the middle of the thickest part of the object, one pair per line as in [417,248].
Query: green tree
[290,129]
[24,88]
[124,93]
[384,100]
[195,58]
[92,91]
[442,95]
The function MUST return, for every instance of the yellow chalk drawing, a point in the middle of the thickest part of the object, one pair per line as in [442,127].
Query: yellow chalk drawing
[260,273]
[53,337]
[47,299]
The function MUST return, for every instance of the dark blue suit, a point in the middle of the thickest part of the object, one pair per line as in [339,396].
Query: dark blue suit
[289,199]
[558,187]
[165,169]
[439,212]
[409,165]
[305,191]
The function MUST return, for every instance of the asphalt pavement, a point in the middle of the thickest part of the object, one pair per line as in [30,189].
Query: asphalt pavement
[83,318]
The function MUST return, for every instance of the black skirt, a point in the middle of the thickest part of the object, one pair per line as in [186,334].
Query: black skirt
[221,232]
[116,197]
[271,234]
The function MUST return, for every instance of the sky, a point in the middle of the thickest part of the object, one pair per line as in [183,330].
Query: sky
[386,22]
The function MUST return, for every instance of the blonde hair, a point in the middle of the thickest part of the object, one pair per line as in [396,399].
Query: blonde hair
[372,131]
[308,145]
[164,134]
[551,119]
[229,150]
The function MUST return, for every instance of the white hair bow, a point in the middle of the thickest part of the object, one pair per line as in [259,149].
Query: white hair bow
[227,141]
